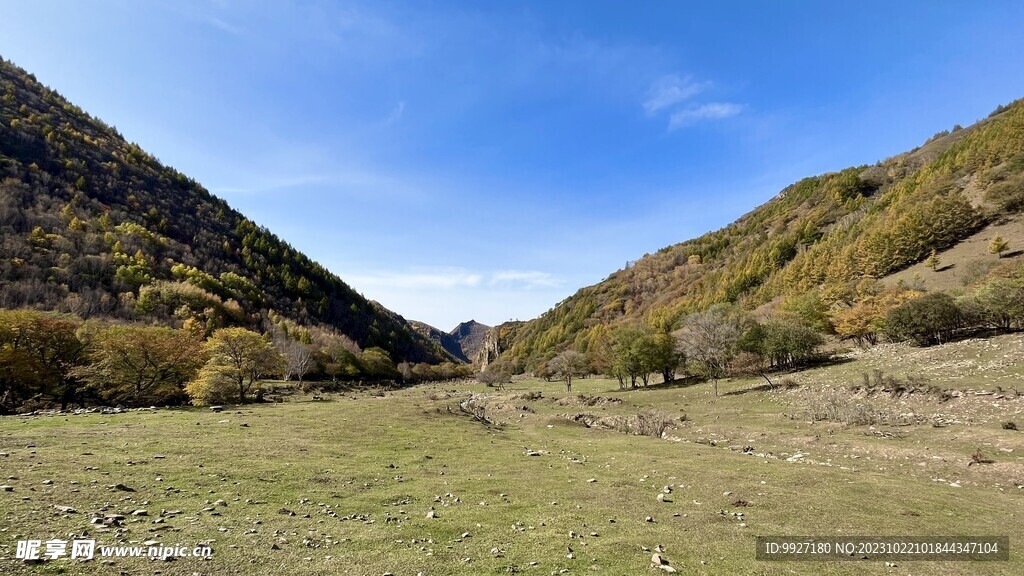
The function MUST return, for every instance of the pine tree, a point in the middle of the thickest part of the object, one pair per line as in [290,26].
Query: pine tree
[998,246]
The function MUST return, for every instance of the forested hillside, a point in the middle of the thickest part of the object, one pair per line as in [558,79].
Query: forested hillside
[813,252]
[92,225]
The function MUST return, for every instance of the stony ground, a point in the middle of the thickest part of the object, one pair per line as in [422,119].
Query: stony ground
[407,482]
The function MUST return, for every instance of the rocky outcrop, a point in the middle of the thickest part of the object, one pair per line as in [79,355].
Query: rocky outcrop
[490,349]
[470,336]
[445,340]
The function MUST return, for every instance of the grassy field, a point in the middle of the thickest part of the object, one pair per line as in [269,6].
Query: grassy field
[343,485]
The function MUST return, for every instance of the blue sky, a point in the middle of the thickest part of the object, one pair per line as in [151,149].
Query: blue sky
[458,160]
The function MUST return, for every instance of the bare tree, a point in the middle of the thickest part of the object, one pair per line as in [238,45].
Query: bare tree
[568,365]
[710,338]
[298,358]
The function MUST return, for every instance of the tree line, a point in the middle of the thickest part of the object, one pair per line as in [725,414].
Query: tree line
[94,226]
[54,360]
[725,340]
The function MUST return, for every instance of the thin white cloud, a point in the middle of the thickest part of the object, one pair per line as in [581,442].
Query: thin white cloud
[396,113]
[712,111]
[440,279]
[455,279]
[670,90]
[224,26]
[524,279]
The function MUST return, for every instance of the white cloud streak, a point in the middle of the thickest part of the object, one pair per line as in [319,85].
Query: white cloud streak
[444,279]
[712,111]
[527,279]
[456,279]
[670,90]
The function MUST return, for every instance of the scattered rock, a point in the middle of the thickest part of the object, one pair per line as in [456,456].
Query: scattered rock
[140,513]
[6,488]
[216,408]
[66,509]
[431,513]
[659,562]
[122,487]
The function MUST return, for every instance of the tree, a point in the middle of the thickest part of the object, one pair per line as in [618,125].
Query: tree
[377,364]
[631,346]
[998,303]
[865,320]
[667,355]
[930,319]
[38,352]
[786,344]
[496,375]
[710,338]
[298,358]
[141,365]
[933,261]
[341,362]
[997,246]
[568,365]
[238,359]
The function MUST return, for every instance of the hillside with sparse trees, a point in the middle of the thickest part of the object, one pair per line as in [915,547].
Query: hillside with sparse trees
[815,261]
[94,226]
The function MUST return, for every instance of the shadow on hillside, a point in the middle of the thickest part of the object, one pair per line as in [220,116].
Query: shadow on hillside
[677,383]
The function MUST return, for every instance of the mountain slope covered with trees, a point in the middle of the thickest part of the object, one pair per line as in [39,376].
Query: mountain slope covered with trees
[815,253]
[92,225]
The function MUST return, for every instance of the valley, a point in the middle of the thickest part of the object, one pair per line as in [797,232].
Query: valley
[405,482]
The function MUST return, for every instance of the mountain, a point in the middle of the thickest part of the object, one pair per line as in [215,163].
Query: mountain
[470,336]
[814,247]
[94,225]
[463,342]
[443,339]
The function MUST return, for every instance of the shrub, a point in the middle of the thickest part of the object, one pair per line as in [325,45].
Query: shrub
[930,319]
[649,423]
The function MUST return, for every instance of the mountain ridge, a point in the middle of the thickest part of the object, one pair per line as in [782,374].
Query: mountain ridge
[815,240]
[463,342]
[94,225]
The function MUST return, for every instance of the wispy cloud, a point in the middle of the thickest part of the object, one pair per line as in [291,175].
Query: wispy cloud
[455,278]
[524,279]
[712,111]
[351,183]
[224,26]
[673,95]
[396,113]
[670,90]
[437,279]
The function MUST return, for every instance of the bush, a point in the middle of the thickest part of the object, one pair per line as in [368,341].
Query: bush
[649,423]
[930,319]
[212,386]
[1008,194]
